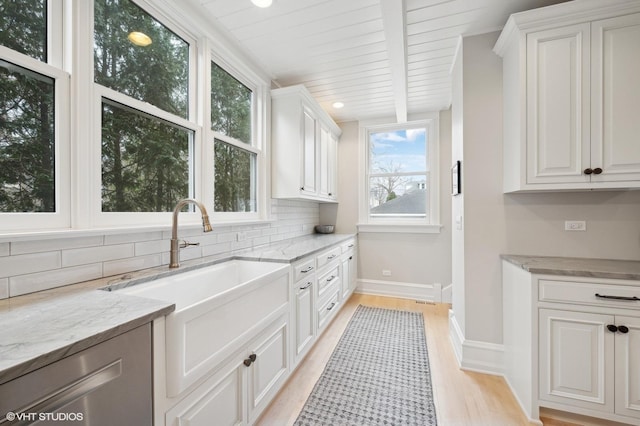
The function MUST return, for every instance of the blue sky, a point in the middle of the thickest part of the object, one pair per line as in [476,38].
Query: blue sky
[403,150]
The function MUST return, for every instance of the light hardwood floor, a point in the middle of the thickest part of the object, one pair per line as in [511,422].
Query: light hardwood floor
[461,397]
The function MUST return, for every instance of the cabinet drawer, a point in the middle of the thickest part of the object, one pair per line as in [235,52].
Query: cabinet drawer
[326,257]
[326,280]
[587,293]
[328,309]
[347,246]
[303,269]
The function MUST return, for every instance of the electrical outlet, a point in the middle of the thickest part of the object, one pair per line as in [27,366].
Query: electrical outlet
[241,236]
[386,273]
[575,225]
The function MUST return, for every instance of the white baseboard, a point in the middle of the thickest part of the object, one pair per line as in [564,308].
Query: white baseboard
[423,292]
[474,355]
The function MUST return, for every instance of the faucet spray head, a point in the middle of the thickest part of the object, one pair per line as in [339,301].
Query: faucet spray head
[206,224]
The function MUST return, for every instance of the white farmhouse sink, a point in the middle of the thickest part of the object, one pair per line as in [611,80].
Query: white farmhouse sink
[217,308]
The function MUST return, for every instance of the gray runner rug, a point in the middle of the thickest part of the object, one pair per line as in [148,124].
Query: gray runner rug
[378,374]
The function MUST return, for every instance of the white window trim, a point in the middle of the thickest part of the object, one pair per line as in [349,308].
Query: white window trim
[431,224]
[259,143]
[61,217]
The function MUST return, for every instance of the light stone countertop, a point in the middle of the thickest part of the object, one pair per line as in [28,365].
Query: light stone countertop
[43,327]
[577,267]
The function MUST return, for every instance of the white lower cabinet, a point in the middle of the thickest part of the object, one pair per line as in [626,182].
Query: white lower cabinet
[572,345]
[268,330]
[304,317]
[590,361]
[238,392]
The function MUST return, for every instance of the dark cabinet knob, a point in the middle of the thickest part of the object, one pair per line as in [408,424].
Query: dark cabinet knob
[330,194]
[597,171]
[612,328]
[588,171]
[250,360]
[302,188]
[623,329]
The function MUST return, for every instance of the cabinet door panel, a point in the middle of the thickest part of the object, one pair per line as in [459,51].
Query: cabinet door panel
[558,132]
[616,94]
[325,140]
[309,154]
[268,371]
[576,359]
[304,317]
[628,368]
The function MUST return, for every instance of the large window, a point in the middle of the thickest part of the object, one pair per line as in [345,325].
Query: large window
[147,160]
[400,184]
[236,151]
[34,188]
[111,111]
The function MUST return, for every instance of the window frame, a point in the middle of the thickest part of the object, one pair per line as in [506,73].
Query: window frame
[14,222]
[258,144]
[429,224]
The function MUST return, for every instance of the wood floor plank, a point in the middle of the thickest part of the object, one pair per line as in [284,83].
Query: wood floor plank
[461,397]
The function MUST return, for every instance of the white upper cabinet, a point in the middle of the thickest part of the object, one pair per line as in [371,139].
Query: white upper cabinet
[571,76]
[304,147]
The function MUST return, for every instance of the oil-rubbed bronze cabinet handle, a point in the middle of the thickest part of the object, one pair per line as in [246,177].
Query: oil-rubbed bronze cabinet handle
[623,329]
[250,360]
[330,307]
[605,296]
[612,328]
[597,171]
[588,171]
[308,269]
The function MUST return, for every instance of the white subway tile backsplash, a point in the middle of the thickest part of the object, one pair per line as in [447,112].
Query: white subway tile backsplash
[24,284]
[27,266]
[116,267]
[96,254]
[39,246]
[29,263]
[132,237]
[4,288]
[151,247]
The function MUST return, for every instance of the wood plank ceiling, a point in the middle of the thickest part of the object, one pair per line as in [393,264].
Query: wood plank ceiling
[381,58]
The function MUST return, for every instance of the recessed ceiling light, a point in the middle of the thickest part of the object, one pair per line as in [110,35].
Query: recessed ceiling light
[139,39]
[338,105]
[262,3]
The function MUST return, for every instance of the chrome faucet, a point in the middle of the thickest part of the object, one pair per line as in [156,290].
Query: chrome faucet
[176,245]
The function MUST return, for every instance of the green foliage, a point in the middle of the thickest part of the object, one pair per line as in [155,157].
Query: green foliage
[230,105]
[235,179]
[27,145]
[145,161]
[157,74]
[391,196]
[23,27]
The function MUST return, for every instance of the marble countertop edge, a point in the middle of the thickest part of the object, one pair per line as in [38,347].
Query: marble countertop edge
[577,266]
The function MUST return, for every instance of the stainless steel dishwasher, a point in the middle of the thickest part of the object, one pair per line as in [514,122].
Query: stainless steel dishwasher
[106,384]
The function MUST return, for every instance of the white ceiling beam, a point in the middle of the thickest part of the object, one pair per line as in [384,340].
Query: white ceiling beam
[393,19]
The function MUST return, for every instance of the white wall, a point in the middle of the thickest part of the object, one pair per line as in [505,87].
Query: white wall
[422,259]
[533,224]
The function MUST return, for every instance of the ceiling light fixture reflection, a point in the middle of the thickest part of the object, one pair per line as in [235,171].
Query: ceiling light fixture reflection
[139,39]
[262,3]
[338,105]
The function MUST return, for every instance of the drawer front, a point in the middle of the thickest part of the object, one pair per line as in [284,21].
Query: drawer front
[328,256]
[347,246]
[304,269]
[328,309]
[586,293]
[326,280]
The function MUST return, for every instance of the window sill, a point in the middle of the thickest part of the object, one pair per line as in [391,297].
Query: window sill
[399,228]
